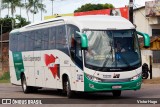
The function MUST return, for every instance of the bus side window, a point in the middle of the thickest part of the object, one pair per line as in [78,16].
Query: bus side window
[71,32]
[52,37]
[61,37]
[45,38]
[21,42]
[38,40]
[72,46]
[29,43]
[13,42]
[78,48]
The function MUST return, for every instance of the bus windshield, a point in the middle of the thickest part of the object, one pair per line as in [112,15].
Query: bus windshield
[112,49]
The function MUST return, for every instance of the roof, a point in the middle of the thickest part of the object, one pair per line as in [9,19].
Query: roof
[152,39]
[102,22]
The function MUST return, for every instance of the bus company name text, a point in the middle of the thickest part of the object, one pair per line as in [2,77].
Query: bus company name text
[30,58]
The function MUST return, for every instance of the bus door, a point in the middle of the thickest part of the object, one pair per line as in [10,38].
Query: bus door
[79,68]
[78,53]
[76,56]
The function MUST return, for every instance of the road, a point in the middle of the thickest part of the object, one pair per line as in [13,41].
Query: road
[147,91]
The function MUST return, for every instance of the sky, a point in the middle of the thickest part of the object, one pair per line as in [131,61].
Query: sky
[68,6]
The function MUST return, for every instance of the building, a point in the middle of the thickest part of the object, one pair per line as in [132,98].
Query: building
[4,47]
[147,20]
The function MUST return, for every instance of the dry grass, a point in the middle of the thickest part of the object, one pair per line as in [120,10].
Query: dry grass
[4,81]
[152,81]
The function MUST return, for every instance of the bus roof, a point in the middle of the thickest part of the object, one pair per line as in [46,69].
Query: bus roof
[97,22]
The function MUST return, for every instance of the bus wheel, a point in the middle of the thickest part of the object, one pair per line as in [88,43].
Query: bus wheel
[116,93]
[26,89]
[67,89]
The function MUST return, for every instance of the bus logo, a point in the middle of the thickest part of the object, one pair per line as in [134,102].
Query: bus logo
[116,75]
[50,63]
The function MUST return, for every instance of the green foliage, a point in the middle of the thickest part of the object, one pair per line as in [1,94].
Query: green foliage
[34,6]
[11,4]
[21,21]
[6,24]
[5,76]
[89,7]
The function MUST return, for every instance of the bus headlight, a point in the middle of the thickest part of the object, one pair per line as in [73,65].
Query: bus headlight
[92,78]
[135,77]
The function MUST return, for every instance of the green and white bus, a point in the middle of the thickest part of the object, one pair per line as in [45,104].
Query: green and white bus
[83,53]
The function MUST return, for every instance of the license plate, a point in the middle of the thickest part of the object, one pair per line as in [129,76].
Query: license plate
[116,87]
[106,76]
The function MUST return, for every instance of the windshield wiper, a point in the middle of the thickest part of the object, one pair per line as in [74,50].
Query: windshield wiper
[107,59]
[110,54]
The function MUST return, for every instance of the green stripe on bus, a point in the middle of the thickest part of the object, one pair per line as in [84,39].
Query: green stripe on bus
[18,64]
[104,86]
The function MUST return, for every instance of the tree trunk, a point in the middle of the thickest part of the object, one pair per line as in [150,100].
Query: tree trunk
[33,16]
[27,16]
[8,9]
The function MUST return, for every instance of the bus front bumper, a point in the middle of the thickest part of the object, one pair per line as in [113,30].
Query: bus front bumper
[91,86]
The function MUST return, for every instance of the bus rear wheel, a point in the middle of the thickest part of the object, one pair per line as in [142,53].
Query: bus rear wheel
[25,88]
[116,93]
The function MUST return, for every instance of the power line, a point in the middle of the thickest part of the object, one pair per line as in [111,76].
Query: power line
[139,11]
[143,14]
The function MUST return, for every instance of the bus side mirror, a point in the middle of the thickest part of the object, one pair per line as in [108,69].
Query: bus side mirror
[146,39]
[84,40]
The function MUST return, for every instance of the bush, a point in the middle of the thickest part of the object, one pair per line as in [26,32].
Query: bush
[5,76]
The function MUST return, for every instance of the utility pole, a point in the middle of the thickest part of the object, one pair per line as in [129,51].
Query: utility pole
[41,11]
[52,7]
[1,45]
[0,7]
[131,11]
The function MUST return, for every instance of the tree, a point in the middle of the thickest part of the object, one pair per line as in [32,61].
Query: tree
[6,23]
[5,4]
[89,7]
[20,21]
[11,4]
[34,6]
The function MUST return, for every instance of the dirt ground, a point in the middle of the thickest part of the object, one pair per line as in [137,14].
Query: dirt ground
[152,81]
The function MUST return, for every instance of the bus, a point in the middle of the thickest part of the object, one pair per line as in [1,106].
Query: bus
[92,53]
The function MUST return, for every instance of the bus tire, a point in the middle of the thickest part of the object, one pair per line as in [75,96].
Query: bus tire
[67,88]
[70,93]
[116,93]
[25,88]
[145,75]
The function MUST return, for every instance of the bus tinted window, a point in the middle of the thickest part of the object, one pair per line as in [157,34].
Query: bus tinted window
[71,32]
[38,40]
[61,39]
[29,41]
[45,38]
[21,42]
[52,37]
[13,42]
